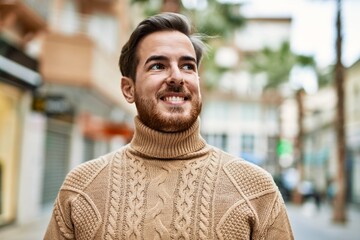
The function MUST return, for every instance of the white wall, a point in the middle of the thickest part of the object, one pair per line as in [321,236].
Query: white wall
[31,164]
[77,146]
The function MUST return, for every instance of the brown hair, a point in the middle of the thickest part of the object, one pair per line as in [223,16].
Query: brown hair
[161,22]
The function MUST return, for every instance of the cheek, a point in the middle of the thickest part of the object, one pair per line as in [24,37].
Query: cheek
[193,85]
[146,88]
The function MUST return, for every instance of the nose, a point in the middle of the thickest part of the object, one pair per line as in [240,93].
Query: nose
[175,77]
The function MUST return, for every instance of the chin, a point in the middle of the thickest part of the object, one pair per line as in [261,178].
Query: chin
[176,122]
[170,122]
[175,119]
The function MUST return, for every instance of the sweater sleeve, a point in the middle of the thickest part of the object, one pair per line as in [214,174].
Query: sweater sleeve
[60,226]
[262,202]
[277,226]
[75,215]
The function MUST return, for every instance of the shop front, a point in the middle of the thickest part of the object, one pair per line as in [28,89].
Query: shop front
[18,78]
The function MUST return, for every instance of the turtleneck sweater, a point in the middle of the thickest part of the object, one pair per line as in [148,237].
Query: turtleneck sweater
[168,186]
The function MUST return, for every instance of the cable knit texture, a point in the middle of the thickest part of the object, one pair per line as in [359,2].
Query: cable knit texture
[168,186]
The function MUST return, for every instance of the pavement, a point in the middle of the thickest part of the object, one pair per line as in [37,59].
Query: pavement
[308,223]
[33,230]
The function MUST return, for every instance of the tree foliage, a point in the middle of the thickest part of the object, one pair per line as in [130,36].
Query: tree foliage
[277,63]
[216,20]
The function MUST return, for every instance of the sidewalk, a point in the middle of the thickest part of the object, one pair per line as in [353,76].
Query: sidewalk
[34,230]
[309,223]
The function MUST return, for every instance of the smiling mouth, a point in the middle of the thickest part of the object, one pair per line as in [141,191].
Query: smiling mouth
[174,99]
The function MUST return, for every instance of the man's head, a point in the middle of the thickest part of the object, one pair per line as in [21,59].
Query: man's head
[159,64]
[161,22]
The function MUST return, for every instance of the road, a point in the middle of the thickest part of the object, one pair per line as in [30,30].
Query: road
[310,223]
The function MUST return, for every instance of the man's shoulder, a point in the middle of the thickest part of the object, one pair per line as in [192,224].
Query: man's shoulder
[83,174]
[251,179]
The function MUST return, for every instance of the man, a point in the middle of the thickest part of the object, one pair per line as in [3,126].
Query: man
[167,183]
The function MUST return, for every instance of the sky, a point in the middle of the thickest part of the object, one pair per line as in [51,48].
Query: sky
[313,31]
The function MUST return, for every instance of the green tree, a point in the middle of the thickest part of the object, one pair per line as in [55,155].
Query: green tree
[339,206]
[277,64]
[217,19]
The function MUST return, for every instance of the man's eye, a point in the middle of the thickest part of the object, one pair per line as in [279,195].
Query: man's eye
[157,66]
[189,67]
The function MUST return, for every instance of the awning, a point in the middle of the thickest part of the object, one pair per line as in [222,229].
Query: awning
[96,127]
[17,68]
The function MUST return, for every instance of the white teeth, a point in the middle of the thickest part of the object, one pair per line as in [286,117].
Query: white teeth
[174,99]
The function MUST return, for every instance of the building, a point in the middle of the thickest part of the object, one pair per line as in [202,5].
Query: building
[66,107]
[352,88]
[19,78]
[319,161]
[238,115]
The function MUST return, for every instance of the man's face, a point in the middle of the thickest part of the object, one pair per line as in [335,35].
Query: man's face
[167,92]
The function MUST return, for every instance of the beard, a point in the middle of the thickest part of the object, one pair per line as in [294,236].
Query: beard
[174,120]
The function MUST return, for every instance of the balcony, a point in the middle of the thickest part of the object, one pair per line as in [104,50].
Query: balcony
[18,21]
[76,60]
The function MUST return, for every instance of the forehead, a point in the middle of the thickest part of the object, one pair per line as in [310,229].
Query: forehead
[167,43]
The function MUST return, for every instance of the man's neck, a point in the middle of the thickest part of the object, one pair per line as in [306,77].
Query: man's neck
[160,145]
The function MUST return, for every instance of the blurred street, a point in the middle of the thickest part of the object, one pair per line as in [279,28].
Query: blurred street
[308,224]
[32,231]
[281,81]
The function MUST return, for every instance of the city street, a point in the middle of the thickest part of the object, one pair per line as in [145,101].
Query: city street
[308,224]
[280,81]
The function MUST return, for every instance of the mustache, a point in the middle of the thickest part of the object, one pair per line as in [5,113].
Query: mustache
[174,89]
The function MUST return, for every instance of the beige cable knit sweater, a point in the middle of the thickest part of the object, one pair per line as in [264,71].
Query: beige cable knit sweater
[168,186]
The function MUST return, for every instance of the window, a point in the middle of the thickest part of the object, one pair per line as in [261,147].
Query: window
[104,29]
[89,149]
[356,100]
[247,143]
[271,114]
[250,111]
[217,140]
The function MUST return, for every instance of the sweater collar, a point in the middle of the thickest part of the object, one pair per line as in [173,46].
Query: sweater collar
[155,144]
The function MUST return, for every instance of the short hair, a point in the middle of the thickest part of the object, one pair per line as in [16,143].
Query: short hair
[161,22]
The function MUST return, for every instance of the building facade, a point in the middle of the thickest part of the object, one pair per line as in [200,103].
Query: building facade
[60,98]
[320,139]
[19,78]
[238,115]
[352,87]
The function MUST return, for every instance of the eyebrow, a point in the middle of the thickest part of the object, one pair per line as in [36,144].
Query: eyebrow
[164,58]
[188,58]
[156,58]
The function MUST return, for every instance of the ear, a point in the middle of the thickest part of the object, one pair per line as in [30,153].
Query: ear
[128,89]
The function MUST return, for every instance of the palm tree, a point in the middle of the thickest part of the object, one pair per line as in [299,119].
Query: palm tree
[216,19]
[339,214]
[277,65]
